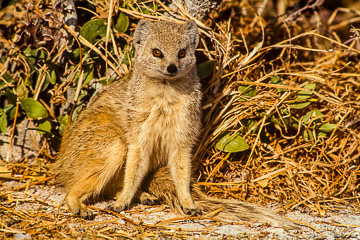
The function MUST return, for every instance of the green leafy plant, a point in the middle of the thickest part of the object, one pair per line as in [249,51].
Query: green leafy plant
[93,29]
[232,143]
[34,109]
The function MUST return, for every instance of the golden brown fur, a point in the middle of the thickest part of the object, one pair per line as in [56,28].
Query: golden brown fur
[145,125]
[149,120]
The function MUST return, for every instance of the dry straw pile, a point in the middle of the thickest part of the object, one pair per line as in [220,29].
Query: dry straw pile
[281,93]
[287,90]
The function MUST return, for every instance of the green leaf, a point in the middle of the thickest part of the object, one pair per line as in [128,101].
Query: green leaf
[327,127]
[247,92]
[79,108]
[44,127]
[12,112]
[307,134]
[63,121]
[5,79]
[92,29]
[312,114]
[284,112]
[232,143]
[27,51]
[88,74]
[9,111]
[21,90]
[306,94]
[29,56]
[8,78]
[41,54]
[3,122]
[52,77]
[2,85]
[35,53]
[299,105]
[122,23]
[206,69]
[276,121]
[275,79]
[76,53]
[322,134]
[8,108]
[251,123]
[34,109]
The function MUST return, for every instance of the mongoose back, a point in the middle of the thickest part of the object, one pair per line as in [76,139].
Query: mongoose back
[141,131]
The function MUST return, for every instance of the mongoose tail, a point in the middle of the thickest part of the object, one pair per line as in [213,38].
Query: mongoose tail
[162,187]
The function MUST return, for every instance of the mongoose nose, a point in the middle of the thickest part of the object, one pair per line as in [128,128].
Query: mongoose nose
[172,68]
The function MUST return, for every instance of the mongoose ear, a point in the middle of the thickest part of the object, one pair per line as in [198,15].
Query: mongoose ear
[141,32]
[192,30]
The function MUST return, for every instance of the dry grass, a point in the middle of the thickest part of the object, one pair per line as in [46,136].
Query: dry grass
[302,156]
[290,160]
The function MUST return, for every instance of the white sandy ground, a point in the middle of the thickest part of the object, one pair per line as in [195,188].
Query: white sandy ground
[342,224]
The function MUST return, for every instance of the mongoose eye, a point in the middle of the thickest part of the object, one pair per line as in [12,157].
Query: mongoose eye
[157,53]
[182,53]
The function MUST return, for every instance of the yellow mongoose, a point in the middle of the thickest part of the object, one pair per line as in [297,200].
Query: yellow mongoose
[141,132]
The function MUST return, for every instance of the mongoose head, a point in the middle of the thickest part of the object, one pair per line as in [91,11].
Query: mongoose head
[164,50]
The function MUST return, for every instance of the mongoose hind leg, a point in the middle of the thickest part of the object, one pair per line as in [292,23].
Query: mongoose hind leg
[93,183]
[96,168]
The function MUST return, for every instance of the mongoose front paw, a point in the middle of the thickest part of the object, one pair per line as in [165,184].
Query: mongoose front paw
[121,208]
[193,211]
[85,214]
[117,209]
[123,201]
